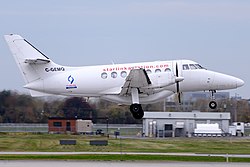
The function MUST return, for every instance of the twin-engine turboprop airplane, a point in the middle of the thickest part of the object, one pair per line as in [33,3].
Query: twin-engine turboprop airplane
[133,84]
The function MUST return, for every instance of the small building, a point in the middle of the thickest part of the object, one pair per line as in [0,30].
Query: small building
[70,125]
[62,125]
[180,124]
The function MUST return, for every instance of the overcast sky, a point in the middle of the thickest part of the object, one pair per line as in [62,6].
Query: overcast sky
[215,33]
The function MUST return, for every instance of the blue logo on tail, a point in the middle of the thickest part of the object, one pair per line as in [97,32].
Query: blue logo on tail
[71,81]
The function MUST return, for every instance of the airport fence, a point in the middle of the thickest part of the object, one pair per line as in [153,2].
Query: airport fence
[23,127]
[124,129]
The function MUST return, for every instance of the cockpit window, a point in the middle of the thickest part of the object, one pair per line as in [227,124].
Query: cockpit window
[185,67]
[192,66]
[195,66]
[199,66]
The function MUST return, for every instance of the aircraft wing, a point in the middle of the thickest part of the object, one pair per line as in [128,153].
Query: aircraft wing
[137,78]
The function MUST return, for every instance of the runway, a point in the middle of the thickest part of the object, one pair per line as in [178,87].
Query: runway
[126,153]
[30,163]
[139,163]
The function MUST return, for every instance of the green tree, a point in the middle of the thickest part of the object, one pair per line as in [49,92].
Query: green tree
[77,107]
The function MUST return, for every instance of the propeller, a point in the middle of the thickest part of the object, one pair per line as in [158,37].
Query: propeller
[178,85]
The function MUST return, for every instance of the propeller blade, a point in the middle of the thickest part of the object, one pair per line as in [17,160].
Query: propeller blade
[177,82]
[178,85]
[177,72]
[179,98]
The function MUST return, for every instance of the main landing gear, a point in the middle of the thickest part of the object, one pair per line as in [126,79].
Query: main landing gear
[213,104]
[136,111]
[135,107]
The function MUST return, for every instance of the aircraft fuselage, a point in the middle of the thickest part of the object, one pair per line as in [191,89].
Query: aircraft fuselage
[106,81]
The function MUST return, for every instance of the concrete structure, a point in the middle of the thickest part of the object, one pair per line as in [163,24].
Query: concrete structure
[179,124]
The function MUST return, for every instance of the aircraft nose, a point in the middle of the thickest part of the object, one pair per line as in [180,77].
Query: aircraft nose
[223,82]
[239,82]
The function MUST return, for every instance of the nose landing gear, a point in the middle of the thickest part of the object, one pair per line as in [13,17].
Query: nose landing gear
[213,104]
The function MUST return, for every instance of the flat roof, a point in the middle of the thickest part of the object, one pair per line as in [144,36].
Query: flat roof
[186,115]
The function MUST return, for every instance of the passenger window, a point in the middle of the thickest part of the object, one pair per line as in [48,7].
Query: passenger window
[157,70]
[123,74]
[104,75]
[148,71]
[192,66]
[185,67]
[114,74]
[167,70]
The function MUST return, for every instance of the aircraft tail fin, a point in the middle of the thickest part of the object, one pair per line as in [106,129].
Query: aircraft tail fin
[29,59]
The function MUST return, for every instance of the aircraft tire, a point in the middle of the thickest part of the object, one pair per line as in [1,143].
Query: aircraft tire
[212,104]
[136,111]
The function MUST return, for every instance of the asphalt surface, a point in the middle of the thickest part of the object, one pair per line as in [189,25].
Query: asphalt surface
[124,153]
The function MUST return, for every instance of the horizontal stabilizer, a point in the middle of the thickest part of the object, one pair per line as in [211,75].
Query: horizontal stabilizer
[37,61]
[34,93]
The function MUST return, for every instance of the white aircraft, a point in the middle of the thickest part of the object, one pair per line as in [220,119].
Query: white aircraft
[133,84]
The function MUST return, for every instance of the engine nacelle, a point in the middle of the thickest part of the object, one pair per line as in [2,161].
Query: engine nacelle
[160,80]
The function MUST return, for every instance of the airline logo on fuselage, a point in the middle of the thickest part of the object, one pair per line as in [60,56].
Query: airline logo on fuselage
[125,68]
[71,84]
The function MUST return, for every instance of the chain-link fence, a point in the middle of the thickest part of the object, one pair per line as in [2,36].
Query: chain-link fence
[124,129]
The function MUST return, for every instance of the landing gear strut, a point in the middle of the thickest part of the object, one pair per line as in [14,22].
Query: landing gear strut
[136,111]
[213,104]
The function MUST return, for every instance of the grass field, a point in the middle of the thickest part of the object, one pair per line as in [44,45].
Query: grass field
[26,142]
[50,143]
